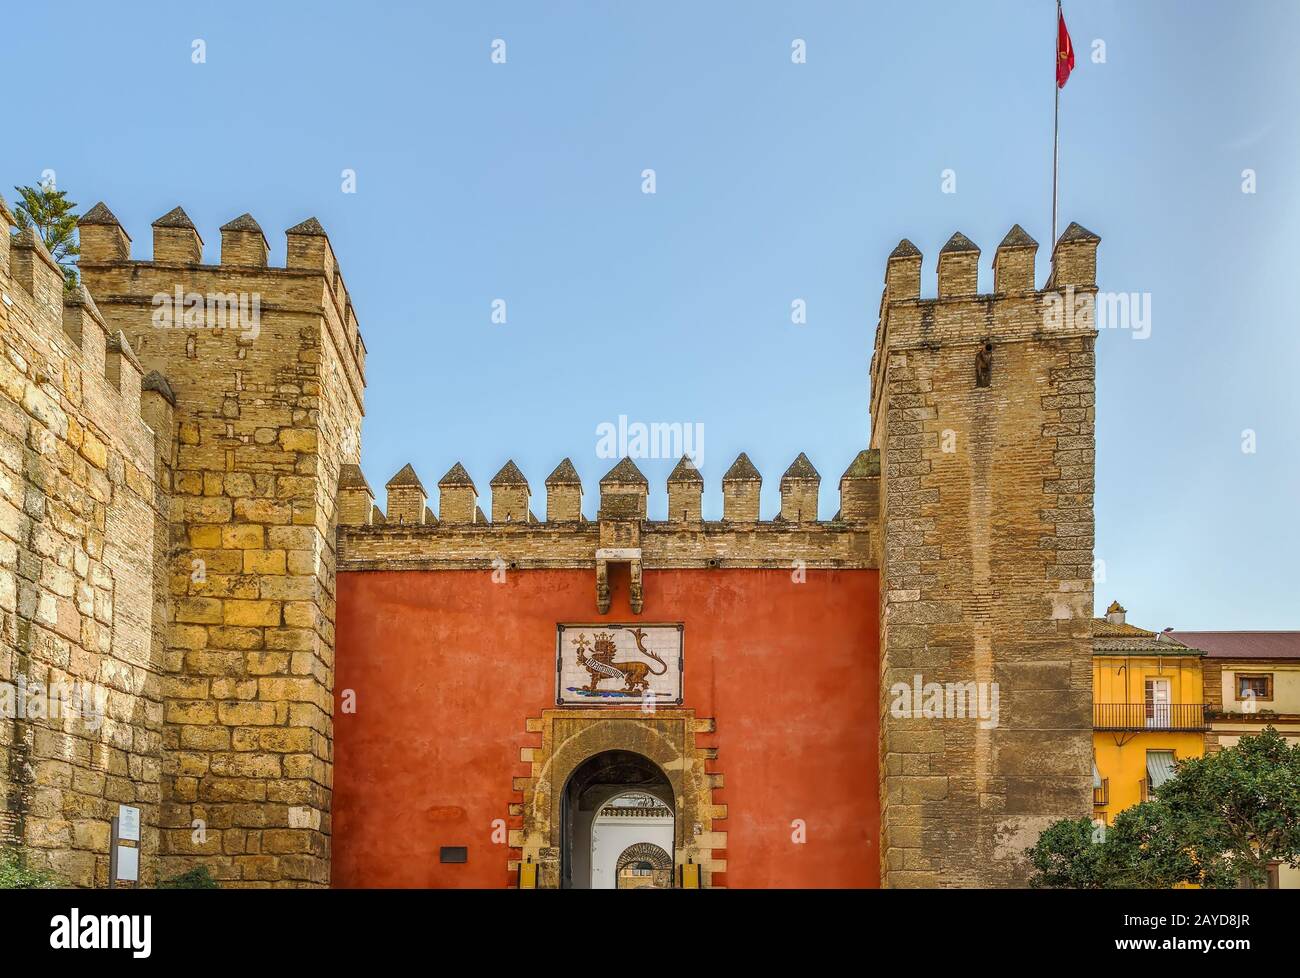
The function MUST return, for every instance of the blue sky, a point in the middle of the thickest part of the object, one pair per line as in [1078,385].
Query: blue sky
[775,181]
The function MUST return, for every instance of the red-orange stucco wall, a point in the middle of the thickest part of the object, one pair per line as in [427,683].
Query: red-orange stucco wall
[446,667]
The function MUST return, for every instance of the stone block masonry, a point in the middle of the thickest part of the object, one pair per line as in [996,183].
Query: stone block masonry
[516,539]
[85,456]
[982,412]
[267,366]
[180,482]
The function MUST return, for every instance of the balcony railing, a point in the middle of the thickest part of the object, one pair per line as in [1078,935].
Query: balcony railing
[1149,716]
[1101,796]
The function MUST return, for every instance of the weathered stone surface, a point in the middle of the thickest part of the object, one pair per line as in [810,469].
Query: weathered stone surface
[170,503]
[83,544]
[986,557]
[167,502]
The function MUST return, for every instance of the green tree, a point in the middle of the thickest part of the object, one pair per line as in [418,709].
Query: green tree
[1141,850]
[55,219]
[1150,846]
[1067,857]
[1220,818]
[1243,802]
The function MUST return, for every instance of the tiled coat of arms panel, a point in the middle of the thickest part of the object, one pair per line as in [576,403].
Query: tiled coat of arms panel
[615,664]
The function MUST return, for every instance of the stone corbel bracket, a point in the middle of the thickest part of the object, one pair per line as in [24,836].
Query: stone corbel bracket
[618,555]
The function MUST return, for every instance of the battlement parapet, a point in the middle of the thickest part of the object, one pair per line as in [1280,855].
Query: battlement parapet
[709,544]
[77,343]
[1015,311]
[1073,263]
[624,496]
[184,291]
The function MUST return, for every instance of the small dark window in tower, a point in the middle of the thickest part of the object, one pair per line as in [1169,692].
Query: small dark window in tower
[984,365]
[453,854]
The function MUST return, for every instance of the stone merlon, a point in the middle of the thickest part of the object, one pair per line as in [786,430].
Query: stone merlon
[1073,263]
[799,488]
[685,492]
[623,492]
[564,494]
[457,497]
[243,243]
[176,239]
[406,497]
[510,495]
[741,485]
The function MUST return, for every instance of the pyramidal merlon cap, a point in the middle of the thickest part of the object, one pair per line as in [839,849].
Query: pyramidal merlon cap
[351,477]
[564,475]
[958,244]
[685,471]
[1017,237]
[509,476]
[405,478]
[99,214]
[244,222]
[905,249]
[457,476]
[625,472]
[864,466]
[175,218]
[1077,232]
[742,470]
[801,469]
[311,226]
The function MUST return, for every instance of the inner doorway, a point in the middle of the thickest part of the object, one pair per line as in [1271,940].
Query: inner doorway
[616,805]
[644,865]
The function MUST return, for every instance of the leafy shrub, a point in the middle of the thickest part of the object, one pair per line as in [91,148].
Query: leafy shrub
[15,874]
[198,878]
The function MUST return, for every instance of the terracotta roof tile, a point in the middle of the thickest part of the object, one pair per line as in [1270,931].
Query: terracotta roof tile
[1244,645]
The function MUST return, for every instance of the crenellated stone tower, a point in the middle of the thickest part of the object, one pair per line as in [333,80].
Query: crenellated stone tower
[266,366]
[982,412]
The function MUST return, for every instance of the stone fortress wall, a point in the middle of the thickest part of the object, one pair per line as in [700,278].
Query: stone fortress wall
[180,484]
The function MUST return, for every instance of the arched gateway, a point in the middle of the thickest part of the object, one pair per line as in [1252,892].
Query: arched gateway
[596,771]
[614,802]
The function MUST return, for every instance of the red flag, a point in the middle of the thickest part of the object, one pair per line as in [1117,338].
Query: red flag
[1064,50]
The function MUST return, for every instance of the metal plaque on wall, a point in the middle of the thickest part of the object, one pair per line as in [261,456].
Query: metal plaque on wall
[618,664]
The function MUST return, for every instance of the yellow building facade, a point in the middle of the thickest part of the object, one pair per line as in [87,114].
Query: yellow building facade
[1148,711]
[1252,681]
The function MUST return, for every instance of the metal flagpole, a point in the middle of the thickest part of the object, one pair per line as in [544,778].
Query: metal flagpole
[1056,119]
